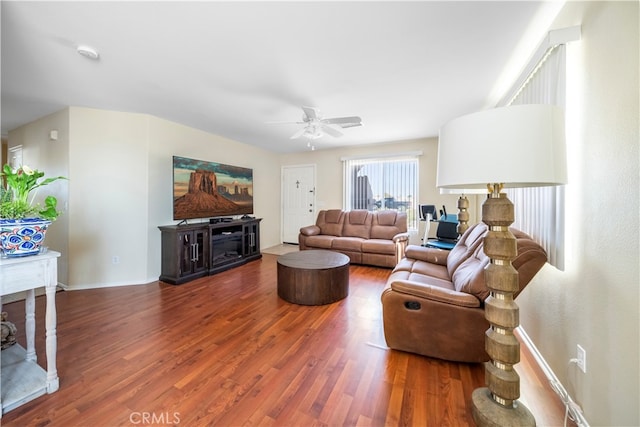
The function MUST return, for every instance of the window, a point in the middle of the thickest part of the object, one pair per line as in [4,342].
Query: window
[382,183]
[539,211]
[15,157]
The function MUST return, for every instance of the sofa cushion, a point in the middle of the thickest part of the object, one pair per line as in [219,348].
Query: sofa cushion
[469,276]
[434,293]
[380,260]
[387,224]
[426,269]
[331,222]
[353,244]
[420,279]
[430,255]
[470,241]
[379,246]
[321,241]
[357,223]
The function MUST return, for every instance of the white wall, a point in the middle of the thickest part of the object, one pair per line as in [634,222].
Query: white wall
[42,153]
[595,301]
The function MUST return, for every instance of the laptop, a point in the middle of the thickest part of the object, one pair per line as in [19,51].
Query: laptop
[447,231]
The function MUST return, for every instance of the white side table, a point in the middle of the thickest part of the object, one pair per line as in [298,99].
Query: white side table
[22,378]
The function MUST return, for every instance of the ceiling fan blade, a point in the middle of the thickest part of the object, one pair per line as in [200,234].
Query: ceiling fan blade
[349,125]
[344,121]
[315,126]
[299,133]
[331,131]
[310,112]
[285,123]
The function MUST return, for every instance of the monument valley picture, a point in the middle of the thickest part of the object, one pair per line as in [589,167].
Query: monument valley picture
[203,189]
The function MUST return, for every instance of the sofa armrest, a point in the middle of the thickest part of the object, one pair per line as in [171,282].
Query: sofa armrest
[430,255]
[310,230]
[435,293]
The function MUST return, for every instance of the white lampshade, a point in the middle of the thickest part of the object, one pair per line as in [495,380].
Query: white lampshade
[518,146]
[467,191]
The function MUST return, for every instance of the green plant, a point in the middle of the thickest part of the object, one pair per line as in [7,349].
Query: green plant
[16,198]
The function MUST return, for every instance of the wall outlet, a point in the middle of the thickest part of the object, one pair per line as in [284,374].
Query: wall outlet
[115,259]
[582,359]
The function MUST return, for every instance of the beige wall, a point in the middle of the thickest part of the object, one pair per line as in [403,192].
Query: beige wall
[168,139]
[108,197]
[120,188]
[3,151]
[329,194]
[595,301]
[40,152]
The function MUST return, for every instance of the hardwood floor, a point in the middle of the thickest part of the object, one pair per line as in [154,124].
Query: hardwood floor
[226,351]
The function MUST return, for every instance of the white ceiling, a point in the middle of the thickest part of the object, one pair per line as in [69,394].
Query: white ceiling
[228,68]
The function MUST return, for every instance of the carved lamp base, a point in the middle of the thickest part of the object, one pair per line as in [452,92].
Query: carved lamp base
[497,404]
[486,412]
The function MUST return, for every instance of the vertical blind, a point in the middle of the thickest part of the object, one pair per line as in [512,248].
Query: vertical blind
[382,183]
[539,211]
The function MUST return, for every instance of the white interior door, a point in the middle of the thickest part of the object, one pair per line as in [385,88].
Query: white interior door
[298,200]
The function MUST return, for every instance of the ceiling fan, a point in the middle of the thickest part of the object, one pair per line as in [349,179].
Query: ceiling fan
[316,126]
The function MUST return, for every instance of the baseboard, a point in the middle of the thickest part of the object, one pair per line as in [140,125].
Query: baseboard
[22,295]
[551,376]
[110,285]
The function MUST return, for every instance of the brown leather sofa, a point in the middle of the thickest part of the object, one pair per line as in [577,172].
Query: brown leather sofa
[433,303]
[373,238]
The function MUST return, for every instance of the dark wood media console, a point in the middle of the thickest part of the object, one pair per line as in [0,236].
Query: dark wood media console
[191,251]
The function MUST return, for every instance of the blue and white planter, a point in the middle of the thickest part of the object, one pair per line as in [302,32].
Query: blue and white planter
[22,237]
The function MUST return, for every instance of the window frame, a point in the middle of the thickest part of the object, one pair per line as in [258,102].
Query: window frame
[406,203]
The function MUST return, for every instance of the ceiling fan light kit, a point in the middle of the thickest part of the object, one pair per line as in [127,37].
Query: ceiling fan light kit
[316,126]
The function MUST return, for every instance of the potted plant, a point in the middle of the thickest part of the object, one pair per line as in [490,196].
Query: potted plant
[23,223]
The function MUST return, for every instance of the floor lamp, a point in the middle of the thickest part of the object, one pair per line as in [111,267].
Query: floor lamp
[517,146]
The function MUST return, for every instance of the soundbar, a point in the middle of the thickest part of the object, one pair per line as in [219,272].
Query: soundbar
[217,220]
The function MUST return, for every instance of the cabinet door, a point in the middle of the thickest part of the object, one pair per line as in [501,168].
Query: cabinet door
[185,243]
[251,239]
[200,250]
[194,251]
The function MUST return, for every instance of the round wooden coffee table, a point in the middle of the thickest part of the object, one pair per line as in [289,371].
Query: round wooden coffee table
[313,277]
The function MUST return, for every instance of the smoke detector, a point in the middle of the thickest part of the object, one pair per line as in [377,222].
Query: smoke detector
[88,52]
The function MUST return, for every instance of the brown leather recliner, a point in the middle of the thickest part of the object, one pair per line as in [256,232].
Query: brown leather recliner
[433,303]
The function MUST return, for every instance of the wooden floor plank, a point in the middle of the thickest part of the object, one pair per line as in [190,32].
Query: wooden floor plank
[224,350]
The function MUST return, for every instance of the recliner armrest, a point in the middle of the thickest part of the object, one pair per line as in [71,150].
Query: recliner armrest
[435,293]
[401,237]
[310,230]
[401,240]
[431,255]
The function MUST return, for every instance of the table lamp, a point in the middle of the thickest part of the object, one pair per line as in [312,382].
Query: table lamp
[463,205]
[516,146]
